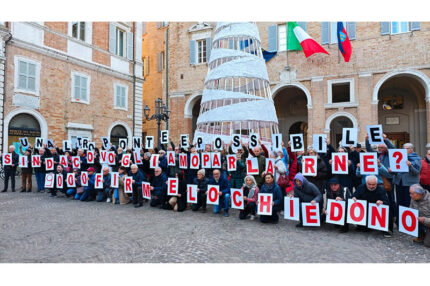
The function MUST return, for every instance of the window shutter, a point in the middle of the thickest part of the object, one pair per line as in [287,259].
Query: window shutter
[273,38]
[89,32]
[303,25]
[325,32]
[159,68]
[112,38]
[415,26]
[148,66]
[129,45]
[193,52]
[350,28]
[385,28]
[208,48]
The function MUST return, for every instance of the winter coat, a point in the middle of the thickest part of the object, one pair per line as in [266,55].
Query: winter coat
[423,207]
[223,184]
[160,185]
[425,172]
[138,178]
[307,192]
[163,163]
[282,169]
[275,190]
[254,197]
[293,164]
[382,172]
[236,177]
[123,198]
[363,193]
[261,167]
[383,157]
[202,185]
[413,176]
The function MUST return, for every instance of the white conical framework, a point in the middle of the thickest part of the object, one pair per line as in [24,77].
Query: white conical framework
[237,97]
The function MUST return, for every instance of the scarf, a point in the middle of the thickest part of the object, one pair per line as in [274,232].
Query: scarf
[250,187]
[427,160]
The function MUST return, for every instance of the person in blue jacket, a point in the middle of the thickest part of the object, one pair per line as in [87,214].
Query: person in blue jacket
[138,178]
[163,161]
[158,188]
[89,193]
[270,187]
[224,192]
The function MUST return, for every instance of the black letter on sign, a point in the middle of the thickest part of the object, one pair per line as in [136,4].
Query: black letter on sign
[253,140]
[84,143]
[320,142]
[236,141]
[24,142]
[347,140]
[50,143]
[199,142]
[374,134]
[123,143]
[136,143]
[218,143]
[39,143]
[297,142]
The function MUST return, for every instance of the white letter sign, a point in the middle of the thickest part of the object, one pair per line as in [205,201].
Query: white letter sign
[291,208]
[398,158]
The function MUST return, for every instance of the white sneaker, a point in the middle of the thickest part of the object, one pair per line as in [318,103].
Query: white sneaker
[108,200]
[281,213]
[252,217]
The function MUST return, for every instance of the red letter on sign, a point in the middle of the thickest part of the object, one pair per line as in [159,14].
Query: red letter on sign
[361,212]
[368,164]
[413,220]
[146,192]
[267,204]
[90,157]
[381,217]
[309,166]
[250,169]
[127,184]
[338,164]
[49,163]
[311,211]
[7,159]
[236,202]
[213,194]
[337,206]
[231,163]
[183,160]
[173,187]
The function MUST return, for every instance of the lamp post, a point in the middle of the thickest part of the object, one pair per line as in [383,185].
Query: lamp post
[161,114]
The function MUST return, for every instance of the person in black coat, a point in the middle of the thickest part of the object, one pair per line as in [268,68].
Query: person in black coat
[106,192]
[10,170]
[372,193]
[306,192]
[158,188]
[338,193]
[59,171]
[270,187]
[320,179]
[202,186]
[178,203]
[138,178]
[27,172]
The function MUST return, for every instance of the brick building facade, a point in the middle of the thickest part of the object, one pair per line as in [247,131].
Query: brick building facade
[70,79]
[387,80]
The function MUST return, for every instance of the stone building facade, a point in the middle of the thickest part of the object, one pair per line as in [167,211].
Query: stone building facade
[70,79]
[386,81]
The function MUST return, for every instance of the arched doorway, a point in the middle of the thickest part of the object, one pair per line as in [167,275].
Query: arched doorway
[291,109]
[336,126]
[22,125]
[402,111]
[117,132]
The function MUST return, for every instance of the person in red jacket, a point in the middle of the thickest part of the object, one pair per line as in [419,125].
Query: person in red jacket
[425,172]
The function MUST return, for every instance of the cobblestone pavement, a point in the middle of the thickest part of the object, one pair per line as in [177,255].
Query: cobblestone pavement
[37,228]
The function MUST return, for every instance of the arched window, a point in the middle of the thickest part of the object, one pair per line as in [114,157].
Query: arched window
[117,132]
[23,125]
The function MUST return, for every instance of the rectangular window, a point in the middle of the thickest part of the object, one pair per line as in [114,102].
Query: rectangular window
[26,76]
[120,42]
[333,31]
[399,27]
[120,96]
[160,61]
[341,92]
[80,88]
[78,30]
[201,51]
[282,37]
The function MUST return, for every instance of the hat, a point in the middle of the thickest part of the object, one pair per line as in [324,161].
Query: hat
[202,171]
[299,177]
[333,180]
[91,169]
[358,145]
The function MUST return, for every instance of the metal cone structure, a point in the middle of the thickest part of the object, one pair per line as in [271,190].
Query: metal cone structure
[236,97]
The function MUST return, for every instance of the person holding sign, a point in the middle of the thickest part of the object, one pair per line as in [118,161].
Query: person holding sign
[258,153]
[162,161]
[10,168]
[120,197]
[270,187]
[158,188]
[89,193]
[250,196]
[372,193]
[319,179]
[306,192]
[346,180]
[338,193]
[178,203]
[224,192]
[403,180]
[73,191]
[420,200]
[27,172]
[138,178]
[236,177]
[202,186]
[59,186]
[105,193]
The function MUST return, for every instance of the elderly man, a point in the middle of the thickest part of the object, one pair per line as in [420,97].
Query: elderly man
[258,153]
[372,193]
[405,180]
[40,172]
[106,192]
[420,200]
[83,159]
[138,178]
[224,192]
[89,192]
[158,188]
[10,170]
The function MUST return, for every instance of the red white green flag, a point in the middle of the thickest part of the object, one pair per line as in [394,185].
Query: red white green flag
[296,35]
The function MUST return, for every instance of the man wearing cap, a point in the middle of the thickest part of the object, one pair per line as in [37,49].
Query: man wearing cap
[202,186]
[338,193]
[158,188]
[420,200]
[306,192]
[89,193]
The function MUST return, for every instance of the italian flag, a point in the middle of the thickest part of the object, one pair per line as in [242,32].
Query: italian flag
[298,39]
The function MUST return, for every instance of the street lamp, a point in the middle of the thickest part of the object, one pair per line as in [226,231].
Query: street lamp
[161,114]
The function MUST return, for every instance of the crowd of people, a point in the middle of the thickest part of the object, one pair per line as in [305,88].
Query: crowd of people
[394,189]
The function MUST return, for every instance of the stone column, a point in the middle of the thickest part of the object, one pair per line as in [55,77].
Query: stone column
[428,119]
[4,33]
